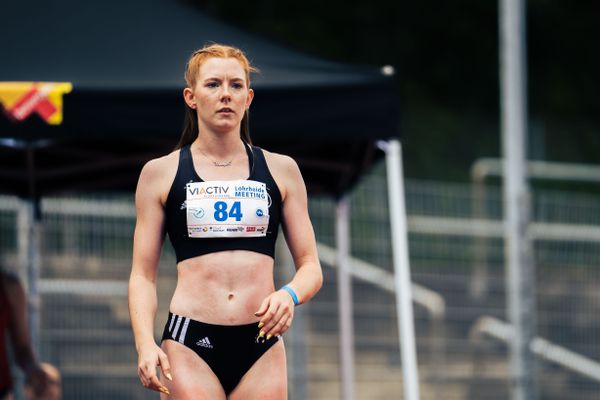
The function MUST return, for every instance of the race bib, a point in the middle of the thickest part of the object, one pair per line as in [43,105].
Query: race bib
[227,209]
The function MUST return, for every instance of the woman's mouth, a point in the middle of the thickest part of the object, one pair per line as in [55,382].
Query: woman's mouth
[225,110]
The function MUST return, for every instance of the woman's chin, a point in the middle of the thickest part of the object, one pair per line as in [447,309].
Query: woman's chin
[226,127]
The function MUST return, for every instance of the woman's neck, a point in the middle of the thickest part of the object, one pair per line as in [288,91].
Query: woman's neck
[220,145]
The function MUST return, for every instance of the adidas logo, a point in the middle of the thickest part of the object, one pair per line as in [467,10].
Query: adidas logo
[204,343]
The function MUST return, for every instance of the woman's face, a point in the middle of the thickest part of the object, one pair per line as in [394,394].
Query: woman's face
[221,94]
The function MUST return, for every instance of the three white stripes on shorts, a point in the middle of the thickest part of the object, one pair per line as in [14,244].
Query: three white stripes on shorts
[176,319]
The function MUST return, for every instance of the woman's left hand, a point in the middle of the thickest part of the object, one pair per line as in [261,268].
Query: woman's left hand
[276,312]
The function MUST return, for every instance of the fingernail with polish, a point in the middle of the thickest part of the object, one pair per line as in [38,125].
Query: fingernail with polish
[269,336]
[260,325]
[169,377]
[261,334]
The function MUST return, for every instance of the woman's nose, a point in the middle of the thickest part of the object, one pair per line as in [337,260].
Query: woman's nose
[225,95]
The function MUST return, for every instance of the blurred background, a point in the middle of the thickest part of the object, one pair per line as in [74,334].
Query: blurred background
[446,57]
[446,85]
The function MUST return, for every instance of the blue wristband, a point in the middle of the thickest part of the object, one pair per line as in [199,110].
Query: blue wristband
[292,293]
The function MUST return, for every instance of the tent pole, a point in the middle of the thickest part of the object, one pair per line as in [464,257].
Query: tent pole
[402,281]
[346,326]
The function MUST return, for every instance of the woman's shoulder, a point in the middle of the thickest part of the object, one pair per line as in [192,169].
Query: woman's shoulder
[159,172]
[285,171]
[160,163]
[160,166]
[280,162]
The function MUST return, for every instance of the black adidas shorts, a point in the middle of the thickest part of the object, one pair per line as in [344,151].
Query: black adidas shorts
[229,350]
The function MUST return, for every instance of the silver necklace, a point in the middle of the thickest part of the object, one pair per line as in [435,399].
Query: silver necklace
[217,163]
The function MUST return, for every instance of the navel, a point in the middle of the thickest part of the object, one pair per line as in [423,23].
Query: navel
[230,296]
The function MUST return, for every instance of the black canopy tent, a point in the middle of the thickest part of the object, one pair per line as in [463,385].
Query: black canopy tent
[126,62]
[126,59]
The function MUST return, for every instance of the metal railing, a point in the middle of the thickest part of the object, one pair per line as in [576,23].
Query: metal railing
[430,300]
[543,348]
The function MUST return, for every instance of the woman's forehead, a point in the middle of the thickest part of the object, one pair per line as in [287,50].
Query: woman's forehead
[221,67]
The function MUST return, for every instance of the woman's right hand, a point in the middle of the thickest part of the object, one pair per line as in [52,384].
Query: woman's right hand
[150,357]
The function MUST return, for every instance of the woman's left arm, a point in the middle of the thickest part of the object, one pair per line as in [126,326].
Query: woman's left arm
[277,310]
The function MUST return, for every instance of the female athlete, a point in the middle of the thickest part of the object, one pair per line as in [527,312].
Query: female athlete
[220,200]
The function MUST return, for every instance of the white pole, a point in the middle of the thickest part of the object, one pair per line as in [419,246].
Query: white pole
[29,248]
[33,271]
[519,277]
[402,279]
[346,326]
[296,336]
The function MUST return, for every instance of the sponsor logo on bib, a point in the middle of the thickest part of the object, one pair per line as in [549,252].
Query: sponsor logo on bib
[198,213]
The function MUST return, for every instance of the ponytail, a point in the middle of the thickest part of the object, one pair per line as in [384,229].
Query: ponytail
[190,128]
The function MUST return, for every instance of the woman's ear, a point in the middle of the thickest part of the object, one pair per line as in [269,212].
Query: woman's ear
[249,98]
[188,97]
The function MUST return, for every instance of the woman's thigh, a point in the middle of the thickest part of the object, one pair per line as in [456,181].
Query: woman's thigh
[192,377]
[267,379]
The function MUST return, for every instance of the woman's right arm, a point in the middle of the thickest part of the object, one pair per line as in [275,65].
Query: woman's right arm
[147,244]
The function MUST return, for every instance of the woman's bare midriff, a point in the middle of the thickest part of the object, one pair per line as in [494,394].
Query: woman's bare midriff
[224,288]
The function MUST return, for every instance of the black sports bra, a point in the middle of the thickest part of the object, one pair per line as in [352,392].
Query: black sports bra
[176,211]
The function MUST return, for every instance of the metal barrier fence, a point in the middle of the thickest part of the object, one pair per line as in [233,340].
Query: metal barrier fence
[456,253]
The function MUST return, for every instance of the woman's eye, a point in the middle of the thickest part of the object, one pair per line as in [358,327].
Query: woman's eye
[212,84]
[237,86]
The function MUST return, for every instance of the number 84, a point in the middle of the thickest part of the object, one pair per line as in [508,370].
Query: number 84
[221,213]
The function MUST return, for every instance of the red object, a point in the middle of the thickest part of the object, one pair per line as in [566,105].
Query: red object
[45,109]
[32,101]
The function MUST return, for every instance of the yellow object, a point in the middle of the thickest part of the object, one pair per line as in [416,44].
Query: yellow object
[21,99]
